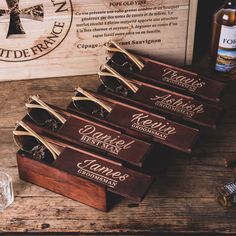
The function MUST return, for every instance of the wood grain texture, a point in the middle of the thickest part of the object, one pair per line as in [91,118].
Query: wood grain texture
[78,189]
[181,200]
[81,30]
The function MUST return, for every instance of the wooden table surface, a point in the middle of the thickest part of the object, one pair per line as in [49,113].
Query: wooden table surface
[181,200]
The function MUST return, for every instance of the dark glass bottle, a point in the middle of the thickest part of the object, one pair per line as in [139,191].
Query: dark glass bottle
[224,39]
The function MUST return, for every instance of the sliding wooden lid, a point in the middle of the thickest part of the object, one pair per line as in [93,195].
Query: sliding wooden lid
[118,179]
[171,77]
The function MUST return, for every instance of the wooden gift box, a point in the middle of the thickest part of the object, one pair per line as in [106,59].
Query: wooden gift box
[163,132]
[169,77]
[176,106]
[76,188]
[70,176]
[132,151]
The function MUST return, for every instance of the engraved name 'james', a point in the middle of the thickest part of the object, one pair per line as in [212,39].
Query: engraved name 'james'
[114,145]
[95,171]
[158,129]
[54,17]
[179,105]
[175,77]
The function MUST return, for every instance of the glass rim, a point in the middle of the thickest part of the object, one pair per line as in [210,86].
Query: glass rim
[5,174]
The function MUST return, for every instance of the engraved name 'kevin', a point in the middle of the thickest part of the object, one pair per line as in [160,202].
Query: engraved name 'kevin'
[145,121]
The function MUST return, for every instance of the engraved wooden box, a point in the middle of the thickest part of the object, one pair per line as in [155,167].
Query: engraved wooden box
[98,138]
[85,177]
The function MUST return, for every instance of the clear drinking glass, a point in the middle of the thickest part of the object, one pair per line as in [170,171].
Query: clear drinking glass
[6,191]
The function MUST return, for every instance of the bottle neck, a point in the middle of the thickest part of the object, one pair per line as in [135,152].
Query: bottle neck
[230,4]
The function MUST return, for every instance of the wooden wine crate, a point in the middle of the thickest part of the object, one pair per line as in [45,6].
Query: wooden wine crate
[52,38]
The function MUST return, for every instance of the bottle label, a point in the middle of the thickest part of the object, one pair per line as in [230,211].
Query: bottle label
[226,56]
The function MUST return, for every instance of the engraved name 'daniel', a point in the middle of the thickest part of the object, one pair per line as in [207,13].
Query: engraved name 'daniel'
[112,144]
[100,173]
[179,105]
[158,129]
[173,76]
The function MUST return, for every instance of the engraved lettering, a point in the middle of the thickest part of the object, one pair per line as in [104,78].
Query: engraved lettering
[179,105]
[91,136]
[174,77]
[146,125]
[93,170]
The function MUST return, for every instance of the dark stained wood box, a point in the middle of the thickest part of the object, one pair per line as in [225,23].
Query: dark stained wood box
[84,176]
[134,153]
[76,188]
[170,77]
[123,117]
[171,105]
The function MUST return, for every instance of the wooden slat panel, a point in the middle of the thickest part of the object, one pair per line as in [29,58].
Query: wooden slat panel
[144,26]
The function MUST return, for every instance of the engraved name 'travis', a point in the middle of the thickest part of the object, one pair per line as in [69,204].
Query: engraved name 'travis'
[114,145]
[157,129]
[179,105]
[174,77]
[95,171]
